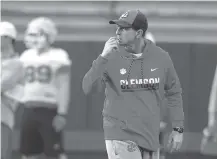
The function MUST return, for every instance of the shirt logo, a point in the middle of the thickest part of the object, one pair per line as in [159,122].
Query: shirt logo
[131,85]
[131,147]
[123,71]
[153,69]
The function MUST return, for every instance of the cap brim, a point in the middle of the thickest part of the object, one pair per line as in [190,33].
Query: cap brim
[120,23]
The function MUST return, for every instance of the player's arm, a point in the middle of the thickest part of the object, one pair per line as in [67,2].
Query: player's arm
[64,80]
[95,73]
[173,94]
[212,110]
[63,93]
[12,73]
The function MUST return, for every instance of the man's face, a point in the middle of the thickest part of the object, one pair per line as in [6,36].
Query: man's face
[125,36]
[35,38]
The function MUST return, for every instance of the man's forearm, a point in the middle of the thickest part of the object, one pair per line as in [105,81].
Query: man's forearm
[63,104]
[96,71]
[176,112]
[212,118]
[212,112]
[213,102]
[63,96]
[173,93]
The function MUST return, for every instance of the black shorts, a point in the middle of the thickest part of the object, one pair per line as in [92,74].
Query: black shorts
[37,133]
[161,138]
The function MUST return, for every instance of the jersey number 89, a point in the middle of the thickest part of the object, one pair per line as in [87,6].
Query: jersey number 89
[40,74]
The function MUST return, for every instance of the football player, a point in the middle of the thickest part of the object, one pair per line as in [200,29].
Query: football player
[46,92]
[11,75]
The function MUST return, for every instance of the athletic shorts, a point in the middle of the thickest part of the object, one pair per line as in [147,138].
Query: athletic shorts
[37,133]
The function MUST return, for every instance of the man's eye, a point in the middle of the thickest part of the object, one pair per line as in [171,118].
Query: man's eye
[121,29]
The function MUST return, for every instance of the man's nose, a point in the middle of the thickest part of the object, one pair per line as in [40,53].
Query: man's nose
[118,31]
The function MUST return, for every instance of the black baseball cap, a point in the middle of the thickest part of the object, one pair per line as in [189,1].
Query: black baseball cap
[132,19]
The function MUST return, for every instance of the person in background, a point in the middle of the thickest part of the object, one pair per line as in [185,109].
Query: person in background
[210,132]
[11,90]
[46,92]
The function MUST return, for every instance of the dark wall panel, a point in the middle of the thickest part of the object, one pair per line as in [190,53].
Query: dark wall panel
[203,62]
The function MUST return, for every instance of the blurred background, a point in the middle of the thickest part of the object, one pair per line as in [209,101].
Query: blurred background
[187,30]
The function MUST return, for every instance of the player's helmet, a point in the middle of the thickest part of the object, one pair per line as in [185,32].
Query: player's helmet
[8,29]
[40,32]
[150,37]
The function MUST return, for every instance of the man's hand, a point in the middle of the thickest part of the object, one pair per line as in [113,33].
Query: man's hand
[175,141]
[209,140]
[211,131]
[110,47]
[59,122]
[209,135]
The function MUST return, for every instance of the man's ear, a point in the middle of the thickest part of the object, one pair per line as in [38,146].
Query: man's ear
[139,33]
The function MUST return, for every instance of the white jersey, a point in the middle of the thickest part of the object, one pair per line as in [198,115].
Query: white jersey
[41,73]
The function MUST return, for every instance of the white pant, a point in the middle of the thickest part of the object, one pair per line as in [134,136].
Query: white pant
[125,150]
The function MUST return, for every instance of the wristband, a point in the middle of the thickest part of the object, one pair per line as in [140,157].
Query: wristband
[178,129]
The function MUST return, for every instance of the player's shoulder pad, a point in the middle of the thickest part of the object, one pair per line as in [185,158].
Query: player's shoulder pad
[61,55]
[27,54]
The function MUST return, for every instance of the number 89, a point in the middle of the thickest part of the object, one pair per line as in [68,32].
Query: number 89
[41,74]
